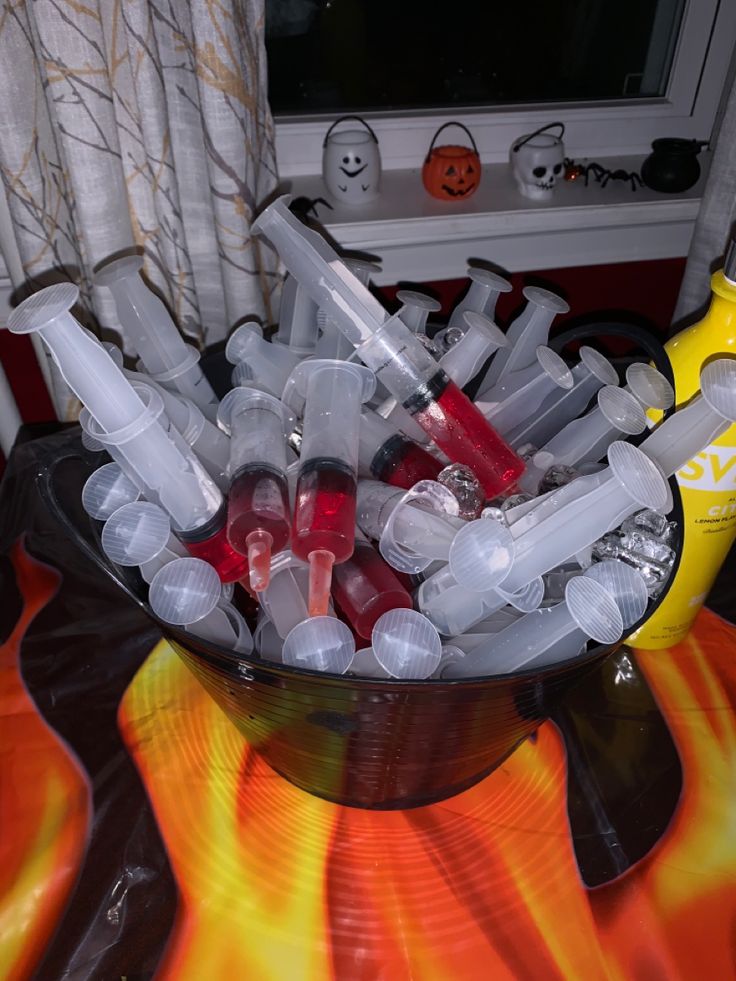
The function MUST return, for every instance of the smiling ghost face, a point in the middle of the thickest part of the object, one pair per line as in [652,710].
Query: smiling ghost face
[537,165]
[351,166]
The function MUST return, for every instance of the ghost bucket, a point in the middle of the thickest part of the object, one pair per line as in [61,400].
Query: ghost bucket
[351,163]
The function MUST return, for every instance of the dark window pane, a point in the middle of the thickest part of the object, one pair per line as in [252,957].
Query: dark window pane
[360,55]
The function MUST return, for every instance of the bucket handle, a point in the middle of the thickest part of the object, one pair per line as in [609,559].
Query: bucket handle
[542,129]
[444,126]
[342,120]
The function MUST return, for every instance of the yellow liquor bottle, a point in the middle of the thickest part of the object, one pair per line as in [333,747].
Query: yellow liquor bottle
[708,482]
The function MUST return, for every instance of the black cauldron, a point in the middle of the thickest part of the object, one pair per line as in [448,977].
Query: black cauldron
[672,166]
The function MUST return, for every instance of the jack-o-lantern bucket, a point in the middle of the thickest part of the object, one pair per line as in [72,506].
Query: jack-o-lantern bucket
[351,163]
[451,172]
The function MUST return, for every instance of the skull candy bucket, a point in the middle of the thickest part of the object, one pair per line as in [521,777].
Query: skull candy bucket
[538,162]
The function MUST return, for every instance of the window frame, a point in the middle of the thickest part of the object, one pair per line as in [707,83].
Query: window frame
[700,67]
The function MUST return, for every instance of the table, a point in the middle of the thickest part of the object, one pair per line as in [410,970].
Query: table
[142,836]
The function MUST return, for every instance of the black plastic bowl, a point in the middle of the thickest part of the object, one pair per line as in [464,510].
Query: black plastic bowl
[366,743]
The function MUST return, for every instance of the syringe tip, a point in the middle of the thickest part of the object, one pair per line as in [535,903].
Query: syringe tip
[259,543]
[42,308]
[320,581]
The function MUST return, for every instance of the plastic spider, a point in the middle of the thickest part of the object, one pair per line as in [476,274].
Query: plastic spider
[603,175]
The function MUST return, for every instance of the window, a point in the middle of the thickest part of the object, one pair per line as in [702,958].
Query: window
[618,72]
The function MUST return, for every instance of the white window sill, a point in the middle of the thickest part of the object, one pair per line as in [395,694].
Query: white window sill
[421,239]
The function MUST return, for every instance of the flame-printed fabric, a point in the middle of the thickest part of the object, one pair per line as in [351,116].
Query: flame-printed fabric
[139,123]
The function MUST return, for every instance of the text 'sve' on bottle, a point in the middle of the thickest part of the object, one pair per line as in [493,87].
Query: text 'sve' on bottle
[708,482]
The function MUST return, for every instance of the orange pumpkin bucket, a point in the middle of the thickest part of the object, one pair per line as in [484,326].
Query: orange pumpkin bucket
[451,172]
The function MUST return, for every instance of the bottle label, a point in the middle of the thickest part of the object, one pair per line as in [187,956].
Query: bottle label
[710,527]
[712,470]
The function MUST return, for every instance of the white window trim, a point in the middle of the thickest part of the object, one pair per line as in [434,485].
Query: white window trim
[700,67]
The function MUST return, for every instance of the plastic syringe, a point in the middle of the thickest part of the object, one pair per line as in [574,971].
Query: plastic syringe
[417,534]
[126,419]
[481,297]
[258,513]
[629,591]
[209,443]
[332,342]
[324,512]
[591,373]
[285,601]
[107,489]
[297,320]
[320,643]
[530,329]
[271,364]
[390,456]
[364,587]
[416,308]
[519,394]
[694,427]
[568,521]
[559,527]
[139,534]
[406,644]
[480,339]
[453,609]
[387,346]
[187,593]
[617,412]
[165,354]
[649,386]
[588,606]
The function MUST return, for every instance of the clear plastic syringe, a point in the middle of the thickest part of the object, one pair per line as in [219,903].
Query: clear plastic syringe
[125,418]
[258,514]
[387,346]
[165,354]
[482,295]
[529,330]
[323,530]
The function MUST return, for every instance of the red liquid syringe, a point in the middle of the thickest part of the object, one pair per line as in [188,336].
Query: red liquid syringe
[258,513]
[324,513]
[396,356]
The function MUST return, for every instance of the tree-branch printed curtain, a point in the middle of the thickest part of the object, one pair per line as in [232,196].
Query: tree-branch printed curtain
[140,123]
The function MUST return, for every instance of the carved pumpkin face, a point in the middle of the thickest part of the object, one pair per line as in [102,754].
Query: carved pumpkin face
[451,172]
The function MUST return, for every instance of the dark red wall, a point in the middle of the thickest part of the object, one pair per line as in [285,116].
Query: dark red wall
[642,291]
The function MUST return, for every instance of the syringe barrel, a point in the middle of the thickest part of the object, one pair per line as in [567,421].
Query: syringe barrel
[334,393]
[518,644]
[297,319]
[681,437]
[256,423]
[164,465]
[321,273]
[86,367]
[399,361]
[146,321]
[375,502]
[142,314]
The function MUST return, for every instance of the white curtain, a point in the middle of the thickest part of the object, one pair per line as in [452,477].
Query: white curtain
[139,123]
[715,219]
